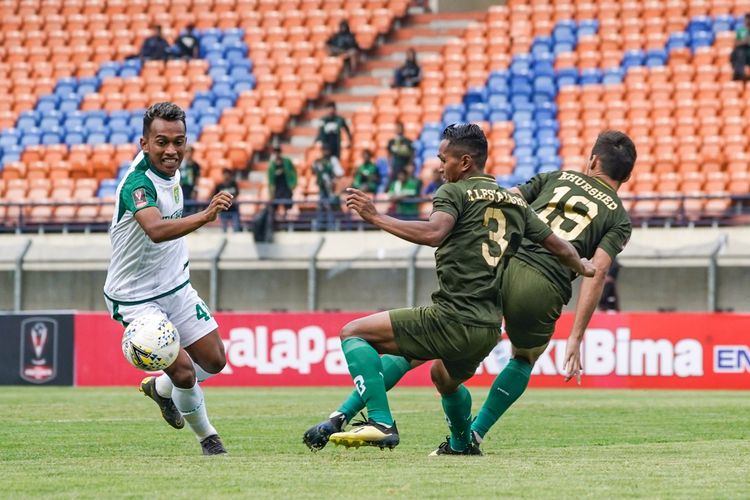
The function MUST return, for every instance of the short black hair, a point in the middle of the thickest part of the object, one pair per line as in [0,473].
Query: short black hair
[616,152]
[469,139]
[167,111]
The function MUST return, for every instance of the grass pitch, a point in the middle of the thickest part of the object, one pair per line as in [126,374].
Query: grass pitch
[112,443]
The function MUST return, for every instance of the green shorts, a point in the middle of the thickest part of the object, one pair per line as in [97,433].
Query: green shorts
[531,305]
[426,333]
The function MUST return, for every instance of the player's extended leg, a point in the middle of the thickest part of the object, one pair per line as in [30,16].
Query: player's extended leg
[508,386]
[394,368]
[456,400]
[208,354]
[362,341]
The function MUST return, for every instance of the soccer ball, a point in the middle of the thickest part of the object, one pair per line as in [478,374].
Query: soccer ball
[151,343]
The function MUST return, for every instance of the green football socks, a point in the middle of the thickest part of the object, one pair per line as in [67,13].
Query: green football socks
[367,372]
[457,408]
[506,389]
[394,368]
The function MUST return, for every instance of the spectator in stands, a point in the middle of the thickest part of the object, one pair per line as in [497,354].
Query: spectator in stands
[282,178]
[367,178]
[400,152]
[232,214]
[187,45]
[609,300]
[344,43]
[740,56]
[190,170]
[405,186]
[155,47]
[435,183]
[410,74]
[329,133]
[327,170]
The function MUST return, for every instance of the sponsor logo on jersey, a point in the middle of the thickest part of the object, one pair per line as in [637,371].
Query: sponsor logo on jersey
[38,350]
[139,198]
[176,193]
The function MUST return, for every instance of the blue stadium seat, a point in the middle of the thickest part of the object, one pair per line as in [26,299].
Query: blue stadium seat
[498,84]
[27,120]
[588,27]
[498,102]
[506,181]
[520,85]
[677,40]
[564,34]
[203,100]
[562,47]
[218,68]
[477,112]
[119,137]
[94,120]
[701,39]
[613,75]
[498,115]
[31,137]
[108,70]
[52,118]
[546,152]
[241,68]
[222,84]
[98,136]
[566,76]
[47,103]
[107,187]
[543,67]
[453,113]
[209,116]
[545,111]
[11,153]
[656,57]
[632,58]
[229,39]
[545,85]
[475,94]
[723,22]
[243,84]
[541,45]
[524,172]
[235,52]
[700,24]
[550,124]
[74,135]
[208,41]
[51,135]
[129,72]
[88,85]
[225,99]
[66,85]
[591,76]
[118,120]
[69,102]
[10,137]
[549,166]
[235,32]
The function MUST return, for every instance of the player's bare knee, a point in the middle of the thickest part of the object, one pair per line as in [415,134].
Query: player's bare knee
[216,364]
[184,377]
[349,330]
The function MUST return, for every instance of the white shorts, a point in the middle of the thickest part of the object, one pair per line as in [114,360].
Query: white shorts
[184,308]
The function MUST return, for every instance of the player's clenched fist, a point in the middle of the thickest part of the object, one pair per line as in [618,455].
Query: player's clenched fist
[361,203]
[219,203]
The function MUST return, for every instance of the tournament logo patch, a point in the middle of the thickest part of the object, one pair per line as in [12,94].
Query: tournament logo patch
[139,198]
[38,350]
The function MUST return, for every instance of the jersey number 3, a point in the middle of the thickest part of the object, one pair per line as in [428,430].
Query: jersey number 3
[580,221]
[497,236]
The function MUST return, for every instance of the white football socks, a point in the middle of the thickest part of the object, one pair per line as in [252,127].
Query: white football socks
[164,386]
[191,405]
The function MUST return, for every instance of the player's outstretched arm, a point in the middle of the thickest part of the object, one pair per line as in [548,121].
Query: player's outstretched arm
[568,255]
[588,298]
[159,230]
[432,232]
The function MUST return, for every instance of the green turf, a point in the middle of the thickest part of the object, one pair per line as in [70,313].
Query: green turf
[105,443]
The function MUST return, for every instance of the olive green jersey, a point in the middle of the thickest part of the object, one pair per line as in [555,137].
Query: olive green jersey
[490,224]
[581,209]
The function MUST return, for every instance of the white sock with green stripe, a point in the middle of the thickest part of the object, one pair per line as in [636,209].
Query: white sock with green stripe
[192,406]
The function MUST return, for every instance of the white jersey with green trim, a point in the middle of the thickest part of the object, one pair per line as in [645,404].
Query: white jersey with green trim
[141,269]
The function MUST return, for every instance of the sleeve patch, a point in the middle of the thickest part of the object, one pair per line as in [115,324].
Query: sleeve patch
[139,198]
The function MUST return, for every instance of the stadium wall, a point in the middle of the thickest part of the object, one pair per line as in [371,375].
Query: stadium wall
[662,270]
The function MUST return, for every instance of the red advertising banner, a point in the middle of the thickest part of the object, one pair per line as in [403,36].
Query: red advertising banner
[648,350]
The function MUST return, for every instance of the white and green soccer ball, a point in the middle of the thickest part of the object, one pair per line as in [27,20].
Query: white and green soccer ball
[151,343]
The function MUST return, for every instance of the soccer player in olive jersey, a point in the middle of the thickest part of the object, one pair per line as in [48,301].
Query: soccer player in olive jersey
[474,225]
[149,270]
[583,208]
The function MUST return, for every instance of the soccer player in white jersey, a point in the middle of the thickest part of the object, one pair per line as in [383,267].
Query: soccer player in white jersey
[149,270]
